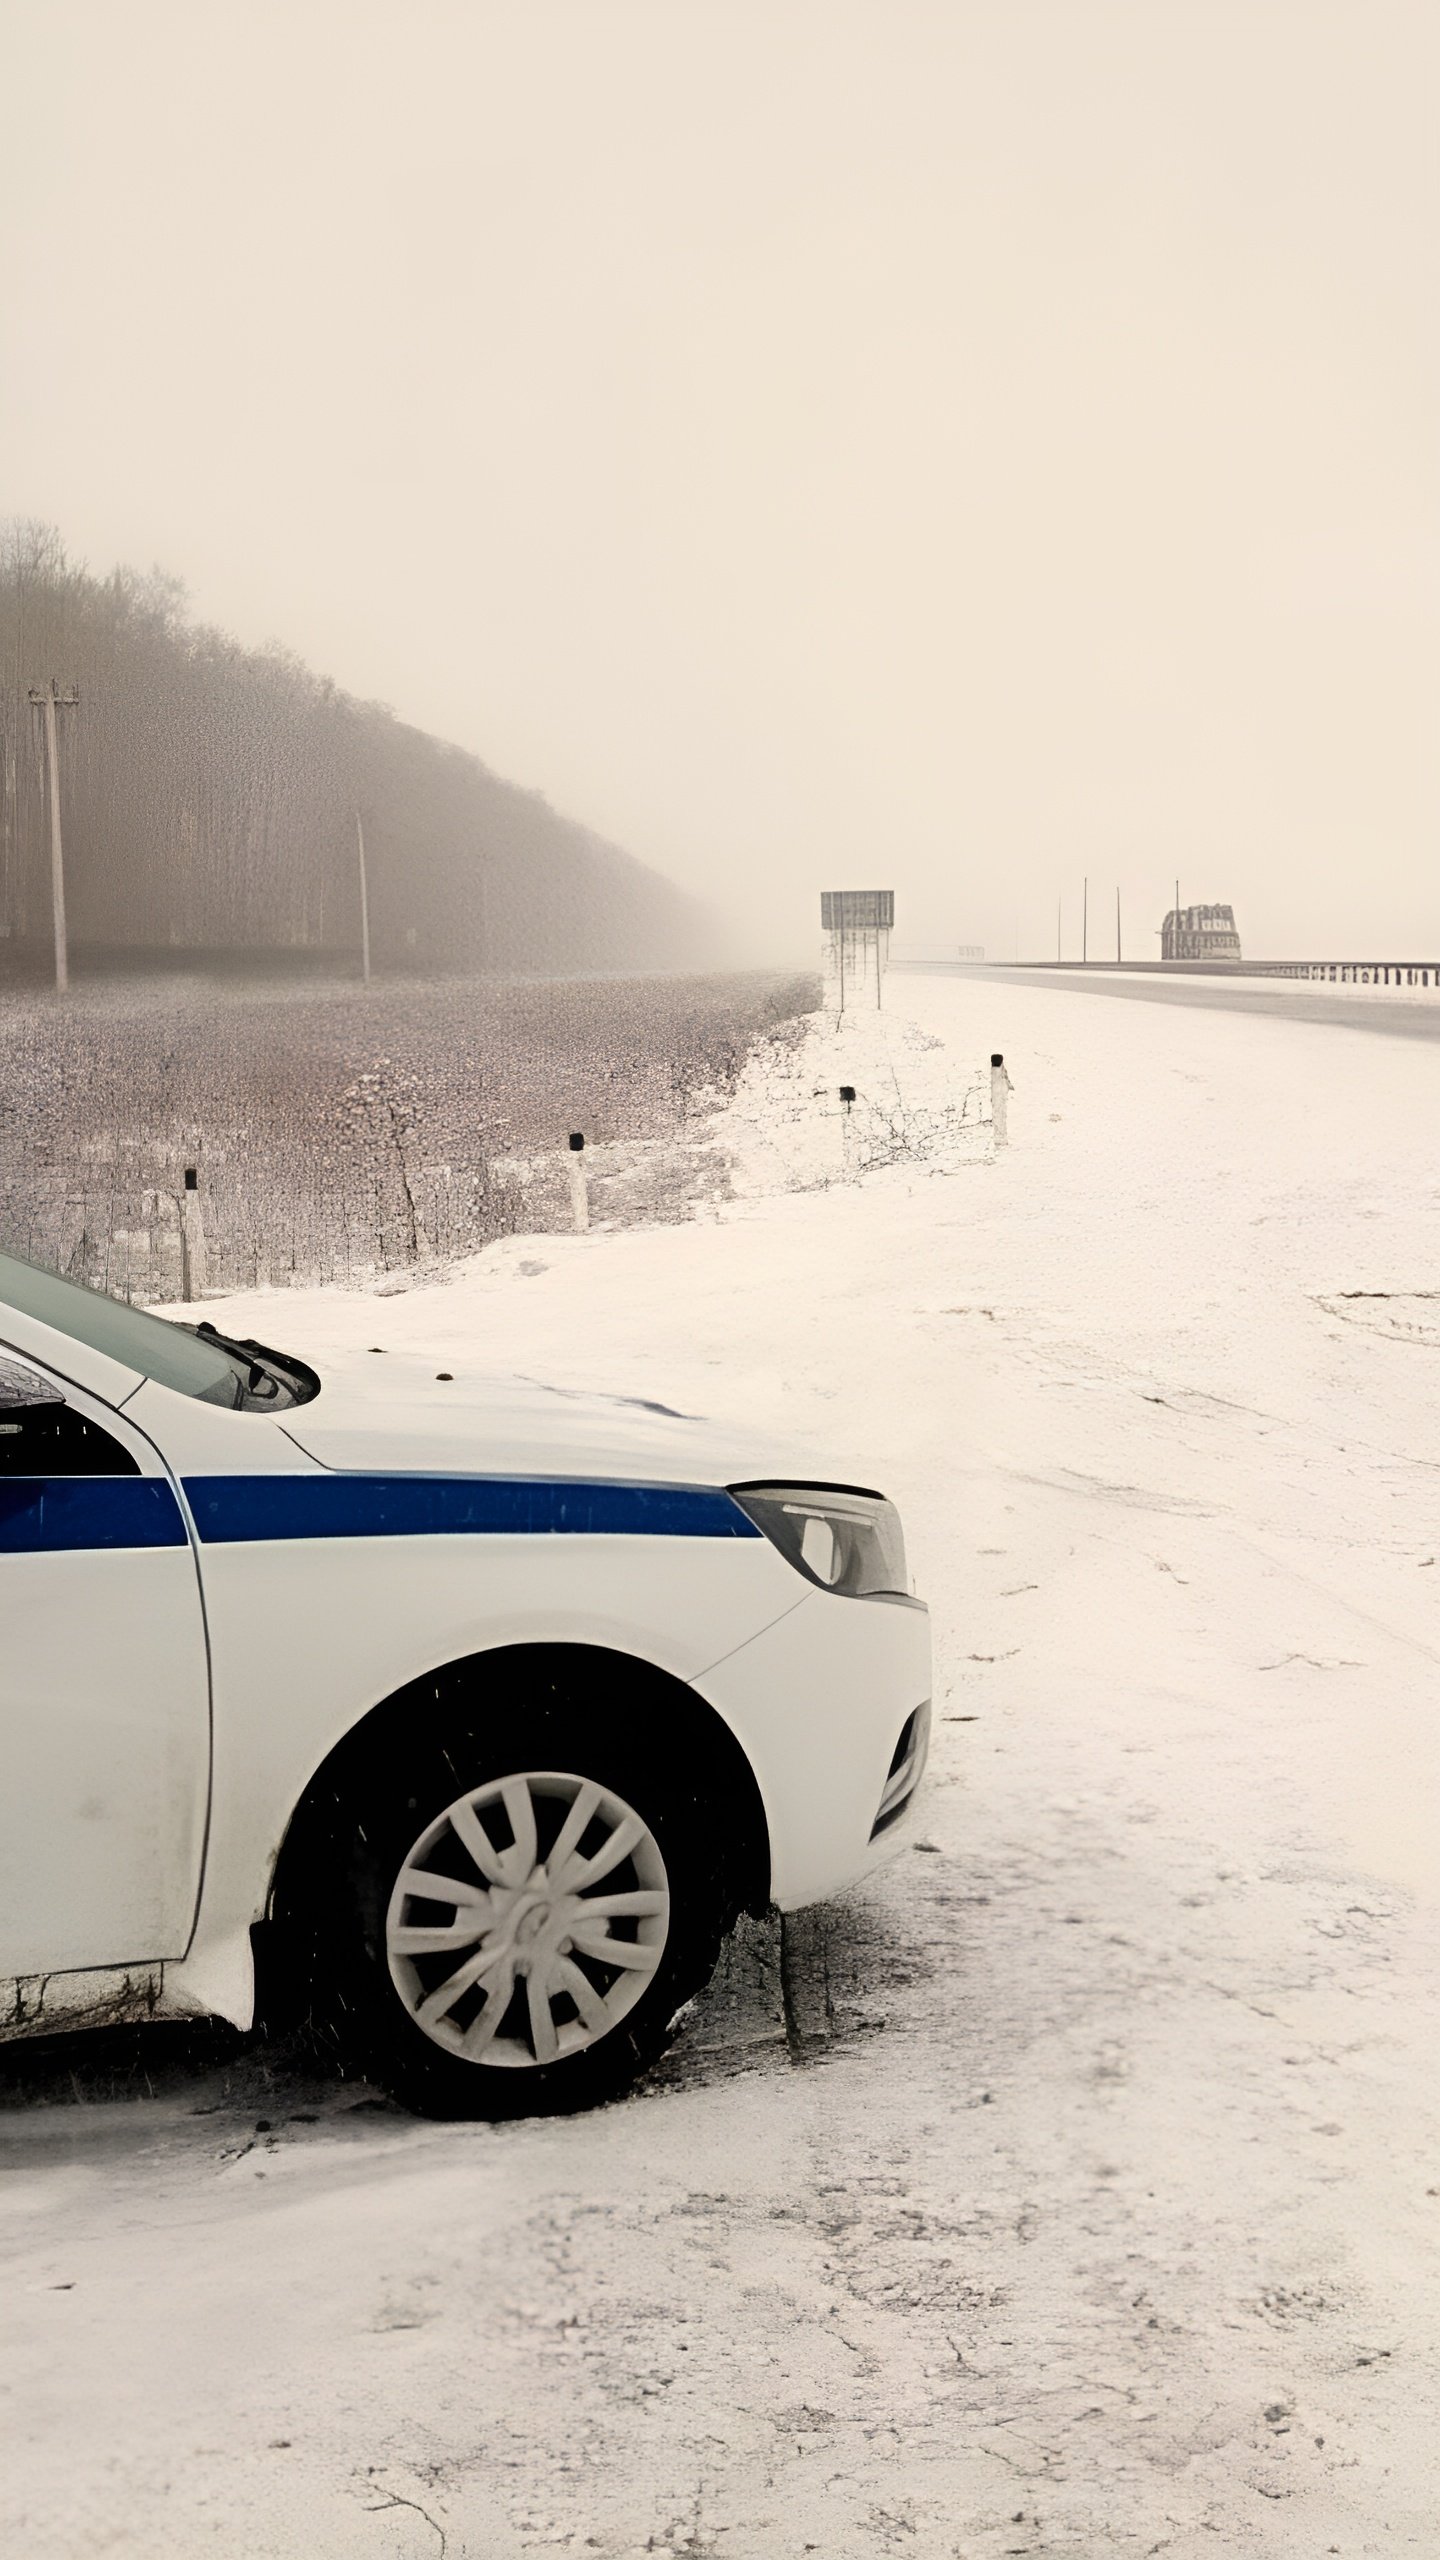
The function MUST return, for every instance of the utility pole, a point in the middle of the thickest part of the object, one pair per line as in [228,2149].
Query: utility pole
[1059,912]
[1085,922]
[1117,927]
[364,903]
[50,703]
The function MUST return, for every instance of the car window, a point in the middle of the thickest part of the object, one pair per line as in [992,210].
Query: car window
[42,1435]
[169,1353]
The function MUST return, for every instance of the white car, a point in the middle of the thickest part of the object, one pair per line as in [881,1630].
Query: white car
[479,1710]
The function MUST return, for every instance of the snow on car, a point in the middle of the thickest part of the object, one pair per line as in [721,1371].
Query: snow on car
[475,1712]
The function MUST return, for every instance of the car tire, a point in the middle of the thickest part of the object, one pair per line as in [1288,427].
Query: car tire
[580,1899]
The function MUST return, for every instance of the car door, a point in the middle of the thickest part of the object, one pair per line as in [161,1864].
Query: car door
[104,1687]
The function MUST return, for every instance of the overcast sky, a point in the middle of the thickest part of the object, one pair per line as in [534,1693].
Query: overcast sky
[953,446]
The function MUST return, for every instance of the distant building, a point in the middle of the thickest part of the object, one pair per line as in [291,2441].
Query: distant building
[1200,933]
[971,951]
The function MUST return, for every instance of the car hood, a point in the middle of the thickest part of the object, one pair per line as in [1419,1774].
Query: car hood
[397,1416]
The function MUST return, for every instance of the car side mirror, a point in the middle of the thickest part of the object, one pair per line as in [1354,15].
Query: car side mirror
[42,1434]
[25,1396]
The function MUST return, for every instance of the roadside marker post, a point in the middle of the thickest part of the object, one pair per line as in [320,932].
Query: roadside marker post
[847,1097]
[579,1188]
[192,1239]
[1000,1091]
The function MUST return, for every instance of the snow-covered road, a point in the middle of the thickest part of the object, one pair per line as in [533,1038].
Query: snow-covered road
[1407,1013]
[1075,2187]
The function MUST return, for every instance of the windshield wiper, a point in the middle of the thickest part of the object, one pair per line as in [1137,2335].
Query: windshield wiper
[270,1377]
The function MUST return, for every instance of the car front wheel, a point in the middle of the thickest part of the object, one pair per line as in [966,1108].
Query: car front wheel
[516,1931]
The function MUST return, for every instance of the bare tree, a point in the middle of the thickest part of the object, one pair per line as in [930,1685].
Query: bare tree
[210,798]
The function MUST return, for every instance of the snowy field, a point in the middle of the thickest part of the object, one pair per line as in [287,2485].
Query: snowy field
[1074,2188]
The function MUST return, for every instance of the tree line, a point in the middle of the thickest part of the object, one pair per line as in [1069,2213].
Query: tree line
[210,793]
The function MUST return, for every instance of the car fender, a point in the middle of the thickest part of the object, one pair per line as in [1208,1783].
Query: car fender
[309,1638]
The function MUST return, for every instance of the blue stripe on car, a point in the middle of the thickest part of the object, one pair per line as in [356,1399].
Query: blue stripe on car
[45,1515]
[231,1510]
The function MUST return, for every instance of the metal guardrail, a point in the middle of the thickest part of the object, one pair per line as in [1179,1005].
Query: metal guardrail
[1414,976]
[1351,973]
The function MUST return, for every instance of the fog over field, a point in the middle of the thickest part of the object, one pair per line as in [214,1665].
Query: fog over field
[974,446]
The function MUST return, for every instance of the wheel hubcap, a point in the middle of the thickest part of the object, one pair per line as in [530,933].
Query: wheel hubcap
[553,1894]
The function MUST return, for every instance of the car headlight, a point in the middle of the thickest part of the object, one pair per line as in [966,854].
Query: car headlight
[846,1541]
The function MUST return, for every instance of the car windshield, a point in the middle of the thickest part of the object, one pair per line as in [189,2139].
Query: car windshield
[169,1353]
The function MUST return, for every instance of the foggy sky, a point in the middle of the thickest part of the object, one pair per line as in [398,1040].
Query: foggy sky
[955,447]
